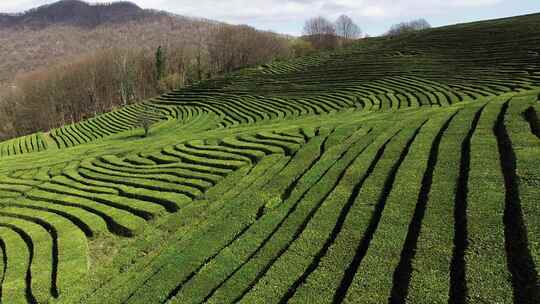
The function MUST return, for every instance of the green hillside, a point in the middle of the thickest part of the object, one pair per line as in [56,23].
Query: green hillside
[399,170]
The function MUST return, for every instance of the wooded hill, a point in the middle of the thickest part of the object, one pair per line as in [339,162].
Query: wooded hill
[76,13]
[65,30]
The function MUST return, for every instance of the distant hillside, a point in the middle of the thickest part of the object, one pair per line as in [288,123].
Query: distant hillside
[63,30]
[76,13]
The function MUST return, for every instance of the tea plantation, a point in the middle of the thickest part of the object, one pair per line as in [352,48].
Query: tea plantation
[399,170]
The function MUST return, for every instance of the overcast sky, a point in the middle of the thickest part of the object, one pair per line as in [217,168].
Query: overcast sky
[288,16]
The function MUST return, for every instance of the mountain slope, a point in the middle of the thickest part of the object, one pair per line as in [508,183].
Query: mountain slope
[69,29]
[400,170]
[75,13]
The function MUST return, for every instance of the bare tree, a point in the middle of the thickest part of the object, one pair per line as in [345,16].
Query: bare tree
[144,122]
[201,31]
[408,27]
[8,108]
[347,29]
[126,77]
[321,33]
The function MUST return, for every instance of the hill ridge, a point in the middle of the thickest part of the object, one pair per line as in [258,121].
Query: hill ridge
[76,13]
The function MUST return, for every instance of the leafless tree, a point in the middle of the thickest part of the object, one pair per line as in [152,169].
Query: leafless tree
[408,27]
[8,109]
[321,33]
[201,31]
[144,122]
[319,26]
[347,29]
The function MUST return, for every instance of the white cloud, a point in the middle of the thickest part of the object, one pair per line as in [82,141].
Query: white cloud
[13,6]
[255,10]
[242,9]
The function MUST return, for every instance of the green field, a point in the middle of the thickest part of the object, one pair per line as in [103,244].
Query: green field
[399,170]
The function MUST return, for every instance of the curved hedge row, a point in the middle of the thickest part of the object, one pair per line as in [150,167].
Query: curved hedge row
[26,144]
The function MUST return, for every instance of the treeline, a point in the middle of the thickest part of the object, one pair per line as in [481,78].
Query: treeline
[324,34]
[99,82]
[77,90]
[234,47]
[408,27]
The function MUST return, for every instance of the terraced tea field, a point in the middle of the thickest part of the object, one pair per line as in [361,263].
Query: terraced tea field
[403,170]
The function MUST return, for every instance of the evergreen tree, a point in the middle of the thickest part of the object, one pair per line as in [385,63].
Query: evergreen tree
[160,63]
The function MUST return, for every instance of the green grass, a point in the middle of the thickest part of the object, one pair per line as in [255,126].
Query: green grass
[402,170]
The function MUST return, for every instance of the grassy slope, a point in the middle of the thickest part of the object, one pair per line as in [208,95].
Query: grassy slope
[397,170]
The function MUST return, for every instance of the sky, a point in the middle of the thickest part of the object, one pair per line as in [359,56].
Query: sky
[288,16]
